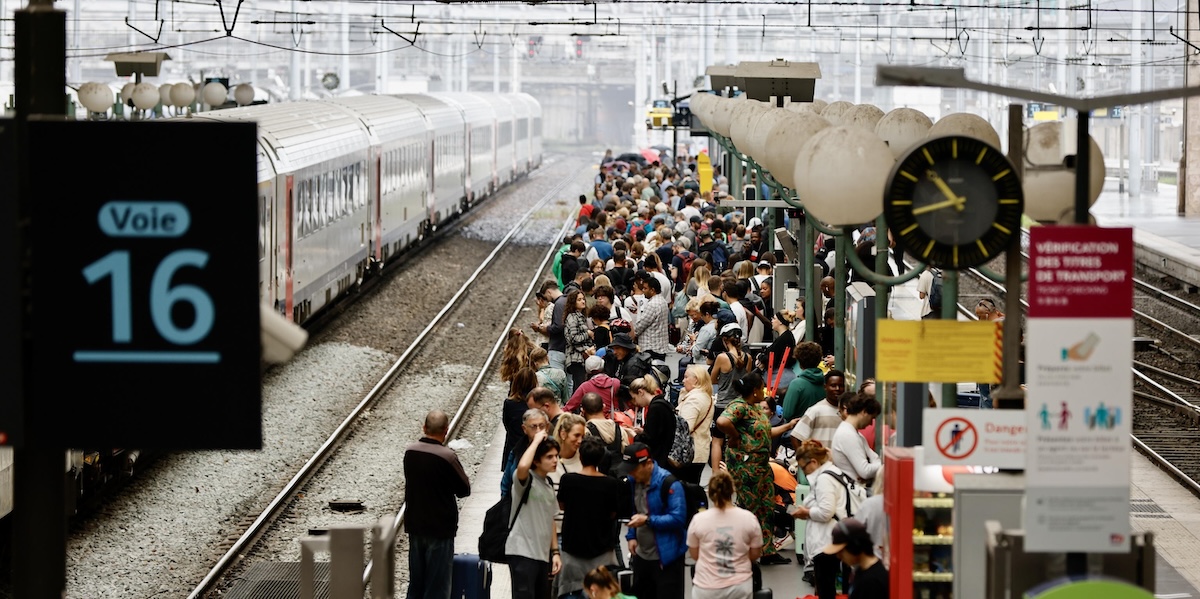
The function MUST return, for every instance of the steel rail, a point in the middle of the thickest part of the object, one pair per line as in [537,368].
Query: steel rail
[473,392]
[1165,391]
[310,467]
[1166,465]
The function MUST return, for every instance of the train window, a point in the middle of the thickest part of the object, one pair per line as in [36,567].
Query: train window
[344,189]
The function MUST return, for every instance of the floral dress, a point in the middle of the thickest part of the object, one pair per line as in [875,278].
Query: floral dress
[749,465]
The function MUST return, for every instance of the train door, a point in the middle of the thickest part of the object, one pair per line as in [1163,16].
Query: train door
[289,217]
[376,195]
[431,198]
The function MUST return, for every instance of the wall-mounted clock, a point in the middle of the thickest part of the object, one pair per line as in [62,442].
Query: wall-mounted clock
[954,202]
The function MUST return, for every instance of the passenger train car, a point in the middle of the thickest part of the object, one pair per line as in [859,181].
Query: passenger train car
[346,185]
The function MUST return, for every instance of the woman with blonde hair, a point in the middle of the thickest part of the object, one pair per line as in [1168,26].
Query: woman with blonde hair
[698,284]
[658,426]
[516,354]
[744,270]
[697,406]
[569,431]
[724,540]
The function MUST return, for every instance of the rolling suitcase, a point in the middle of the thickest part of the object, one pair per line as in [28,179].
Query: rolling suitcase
[471,578]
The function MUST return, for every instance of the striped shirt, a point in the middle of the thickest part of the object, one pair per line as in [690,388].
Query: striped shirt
[819,423]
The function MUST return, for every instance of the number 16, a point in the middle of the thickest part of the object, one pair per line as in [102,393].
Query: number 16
[162,296]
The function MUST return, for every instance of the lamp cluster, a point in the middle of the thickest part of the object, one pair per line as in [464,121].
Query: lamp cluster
[99,97]
[837,156]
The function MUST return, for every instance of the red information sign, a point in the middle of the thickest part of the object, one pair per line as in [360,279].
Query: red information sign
[1080,272]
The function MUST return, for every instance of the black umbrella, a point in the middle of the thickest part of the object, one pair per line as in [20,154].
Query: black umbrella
[632,157]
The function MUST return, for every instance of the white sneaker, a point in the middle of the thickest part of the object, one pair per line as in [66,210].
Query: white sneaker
[783,542]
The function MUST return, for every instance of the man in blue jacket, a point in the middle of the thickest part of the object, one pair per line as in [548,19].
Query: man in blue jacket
[657,531]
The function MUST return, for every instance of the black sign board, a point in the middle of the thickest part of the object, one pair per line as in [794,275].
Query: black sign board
[145,286]
[11,417]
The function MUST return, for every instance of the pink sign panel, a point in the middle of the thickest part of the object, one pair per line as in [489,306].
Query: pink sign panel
[1080,272]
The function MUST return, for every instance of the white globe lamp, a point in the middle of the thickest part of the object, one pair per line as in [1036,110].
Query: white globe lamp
[182,94]
[864,116]
[215,94]
[243,94]
[127,92]
[901,128]
[164,94]
[1050,192]
[970,125]
[145,96]
[834,111]
[784,142]
[96,97]
[841,173]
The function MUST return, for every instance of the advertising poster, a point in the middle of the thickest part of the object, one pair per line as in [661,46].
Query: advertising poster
[1078,405]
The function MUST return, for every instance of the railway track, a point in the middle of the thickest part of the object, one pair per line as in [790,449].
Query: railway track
[1166,422]
[355,429]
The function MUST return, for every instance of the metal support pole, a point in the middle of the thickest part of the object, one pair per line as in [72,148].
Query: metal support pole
[39,477]
[839,304]
[1076,561]
[949,312]
[811,294]
[881,266]
[1010,396]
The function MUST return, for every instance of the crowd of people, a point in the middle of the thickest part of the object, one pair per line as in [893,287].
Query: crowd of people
[602,436]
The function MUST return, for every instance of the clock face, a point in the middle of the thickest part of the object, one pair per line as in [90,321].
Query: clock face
[954,202]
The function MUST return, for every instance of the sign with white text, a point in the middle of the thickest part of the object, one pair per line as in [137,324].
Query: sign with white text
[145,300]
[1078,350]
[962,437]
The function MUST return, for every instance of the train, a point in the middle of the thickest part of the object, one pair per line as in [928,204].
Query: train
[346,185]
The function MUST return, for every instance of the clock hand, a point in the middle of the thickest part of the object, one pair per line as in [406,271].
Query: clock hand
[941,184]
[956,202]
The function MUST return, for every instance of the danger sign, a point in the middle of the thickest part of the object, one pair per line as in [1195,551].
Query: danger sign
[965,437]
[956,438]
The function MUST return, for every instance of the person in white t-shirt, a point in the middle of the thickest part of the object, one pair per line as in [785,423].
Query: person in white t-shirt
[821,421]
[924,288]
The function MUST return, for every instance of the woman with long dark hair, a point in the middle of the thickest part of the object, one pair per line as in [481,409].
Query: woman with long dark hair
[579,338]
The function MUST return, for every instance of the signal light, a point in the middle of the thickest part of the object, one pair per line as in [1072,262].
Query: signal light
[578,48]
[532,48]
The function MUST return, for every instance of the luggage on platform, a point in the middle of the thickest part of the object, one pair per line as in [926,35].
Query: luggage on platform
[472,577]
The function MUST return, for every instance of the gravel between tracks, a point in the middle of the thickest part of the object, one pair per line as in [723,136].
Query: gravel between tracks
[161,534]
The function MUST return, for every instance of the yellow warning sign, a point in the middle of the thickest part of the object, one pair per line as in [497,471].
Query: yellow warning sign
[704,173]
[938,351]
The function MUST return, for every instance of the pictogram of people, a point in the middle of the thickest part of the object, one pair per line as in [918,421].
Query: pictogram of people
[1064,417]
[1045,414]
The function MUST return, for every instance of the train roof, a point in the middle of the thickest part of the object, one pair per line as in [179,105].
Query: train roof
[440,113]
[502,106]
[301,134]
[387,118]
[474,109]
[532,106]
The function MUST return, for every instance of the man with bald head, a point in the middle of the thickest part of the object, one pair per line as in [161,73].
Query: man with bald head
[432,518]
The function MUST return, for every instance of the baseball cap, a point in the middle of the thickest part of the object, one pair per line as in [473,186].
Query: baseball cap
[731,329]
[637,453]
[848,532]
[593,364]
[766,263]
[620,340]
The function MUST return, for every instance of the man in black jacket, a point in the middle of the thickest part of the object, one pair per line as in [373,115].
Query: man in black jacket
[432,518]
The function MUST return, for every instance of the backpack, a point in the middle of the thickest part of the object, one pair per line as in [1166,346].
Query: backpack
[693,496]
[683,447]
[935,292]
[686,259]
[556,268]
[612,452]
[497,526]
[855,494]
[620,277]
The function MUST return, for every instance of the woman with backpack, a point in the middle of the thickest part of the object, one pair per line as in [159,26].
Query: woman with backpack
[823,507]
[658,426]
[696,406]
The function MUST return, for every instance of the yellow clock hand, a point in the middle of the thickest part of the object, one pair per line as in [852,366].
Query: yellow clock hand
[956,202]
[941,184]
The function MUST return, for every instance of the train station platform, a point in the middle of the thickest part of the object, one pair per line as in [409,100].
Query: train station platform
[1165,241]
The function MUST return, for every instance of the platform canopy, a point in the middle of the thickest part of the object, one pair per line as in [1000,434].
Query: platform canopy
[132,63]
[778,78]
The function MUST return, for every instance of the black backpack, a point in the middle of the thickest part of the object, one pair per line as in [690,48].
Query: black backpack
[935,293]
[693,496]
[621,278]
[497,525]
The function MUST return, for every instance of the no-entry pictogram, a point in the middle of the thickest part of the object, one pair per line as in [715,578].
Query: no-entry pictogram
[957,438]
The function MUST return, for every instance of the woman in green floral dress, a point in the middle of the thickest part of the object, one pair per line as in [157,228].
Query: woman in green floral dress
[748,433]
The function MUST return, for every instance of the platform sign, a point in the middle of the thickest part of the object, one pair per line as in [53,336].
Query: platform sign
[145,285]
[966,437]
[944,351]
[1078,353]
